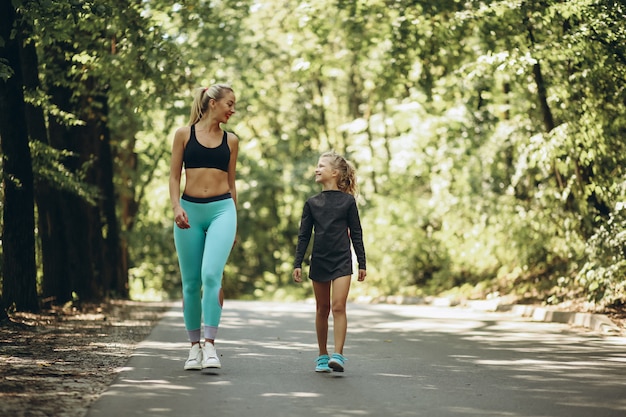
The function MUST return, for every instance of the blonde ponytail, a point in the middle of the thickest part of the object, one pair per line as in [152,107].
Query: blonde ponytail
[347,174]
[202,96]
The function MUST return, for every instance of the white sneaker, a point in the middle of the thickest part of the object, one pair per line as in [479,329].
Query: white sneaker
[195,358]
[209,356]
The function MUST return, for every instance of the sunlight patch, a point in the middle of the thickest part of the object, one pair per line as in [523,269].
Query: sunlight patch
[292,394]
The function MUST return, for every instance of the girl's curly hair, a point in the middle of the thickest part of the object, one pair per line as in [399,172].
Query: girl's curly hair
[347,174]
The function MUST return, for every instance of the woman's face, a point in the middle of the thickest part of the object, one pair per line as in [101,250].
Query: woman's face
[225,107]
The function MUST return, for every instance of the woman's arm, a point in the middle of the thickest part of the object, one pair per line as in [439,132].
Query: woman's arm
[233,144]
[176,168]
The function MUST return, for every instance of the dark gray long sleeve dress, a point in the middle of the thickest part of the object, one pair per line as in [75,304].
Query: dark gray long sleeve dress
[333,216]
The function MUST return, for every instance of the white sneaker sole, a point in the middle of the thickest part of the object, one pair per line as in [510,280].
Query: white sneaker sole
[211,365]
[192,367]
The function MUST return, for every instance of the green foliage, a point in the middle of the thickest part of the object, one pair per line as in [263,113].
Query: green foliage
[153,273]
[49,166]
[487,136]
[6,71]
[601,278]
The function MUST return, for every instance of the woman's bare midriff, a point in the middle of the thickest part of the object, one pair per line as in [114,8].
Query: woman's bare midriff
[205,182]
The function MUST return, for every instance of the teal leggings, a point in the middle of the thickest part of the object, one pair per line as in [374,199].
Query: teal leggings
[203,250]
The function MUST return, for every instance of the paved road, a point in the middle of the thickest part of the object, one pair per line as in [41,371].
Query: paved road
[402,361]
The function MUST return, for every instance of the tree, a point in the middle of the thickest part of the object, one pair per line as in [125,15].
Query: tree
[18,237]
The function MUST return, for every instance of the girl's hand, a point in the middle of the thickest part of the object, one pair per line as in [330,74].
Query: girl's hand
[362,274]
[297,274]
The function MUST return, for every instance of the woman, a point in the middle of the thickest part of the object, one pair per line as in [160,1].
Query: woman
[205,217]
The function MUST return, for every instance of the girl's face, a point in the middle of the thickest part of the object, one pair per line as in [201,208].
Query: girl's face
[324,172]
[224,108]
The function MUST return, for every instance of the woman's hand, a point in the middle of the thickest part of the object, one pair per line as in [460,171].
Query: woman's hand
[180,218]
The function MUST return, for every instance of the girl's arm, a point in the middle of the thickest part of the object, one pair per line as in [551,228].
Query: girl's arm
[304,235]
[356,235]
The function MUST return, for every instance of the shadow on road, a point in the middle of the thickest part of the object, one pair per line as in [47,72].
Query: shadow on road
[402,361]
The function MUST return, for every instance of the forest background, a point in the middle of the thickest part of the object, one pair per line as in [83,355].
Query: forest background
[488,138]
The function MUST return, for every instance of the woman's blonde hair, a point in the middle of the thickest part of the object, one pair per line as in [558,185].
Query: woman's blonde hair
[346,181]
[202,96]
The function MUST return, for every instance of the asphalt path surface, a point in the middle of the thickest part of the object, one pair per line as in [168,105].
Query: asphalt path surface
[403,360]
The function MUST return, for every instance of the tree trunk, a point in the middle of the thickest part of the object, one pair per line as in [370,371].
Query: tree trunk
[542,95]
[3,312]
[102,224]
[91,223]
[113,263]
[546,112]
[90,231]
[68,223]
[38,132]
[18,239]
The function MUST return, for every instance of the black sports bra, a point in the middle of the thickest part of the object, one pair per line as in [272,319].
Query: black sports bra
[196,155]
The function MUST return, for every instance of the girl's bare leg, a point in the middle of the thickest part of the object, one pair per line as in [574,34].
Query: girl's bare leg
[340,289]
[322,302]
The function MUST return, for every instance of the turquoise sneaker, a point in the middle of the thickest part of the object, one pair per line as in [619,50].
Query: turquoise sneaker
[336,362]
[322,364]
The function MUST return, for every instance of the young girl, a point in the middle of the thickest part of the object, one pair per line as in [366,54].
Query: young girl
[334,217]
[205,217]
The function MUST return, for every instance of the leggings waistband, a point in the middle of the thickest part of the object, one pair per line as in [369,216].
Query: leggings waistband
[211,199]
